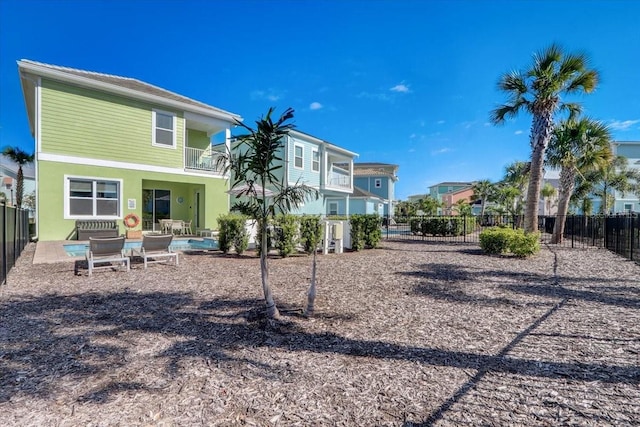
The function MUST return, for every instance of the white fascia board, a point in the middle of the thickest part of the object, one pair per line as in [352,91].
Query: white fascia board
[41,71]
[306,137]
[331,147]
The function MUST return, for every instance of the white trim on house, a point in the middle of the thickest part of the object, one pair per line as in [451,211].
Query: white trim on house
[60,75]
[36,155]
[67,214]
[295,157]
[123,165]
[154,128]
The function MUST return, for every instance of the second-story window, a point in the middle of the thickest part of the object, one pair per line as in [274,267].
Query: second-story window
[298,156]
[164,129]
[377,183]
[315,161]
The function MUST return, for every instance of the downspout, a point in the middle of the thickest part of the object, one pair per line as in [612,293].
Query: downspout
[37,148]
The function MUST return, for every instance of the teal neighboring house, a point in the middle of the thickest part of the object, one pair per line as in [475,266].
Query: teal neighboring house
[321,165]
[378,180]
[438,191]
[107,146]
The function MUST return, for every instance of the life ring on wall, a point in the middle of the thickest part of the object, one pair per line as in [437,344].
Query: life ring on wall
[132,220]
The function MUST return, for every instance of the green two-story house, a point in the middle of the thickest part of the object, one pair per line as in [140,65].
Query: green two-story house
[108,146]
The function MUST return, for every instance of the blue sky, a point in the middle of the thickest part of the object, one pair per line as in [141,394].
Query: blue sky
[404,82]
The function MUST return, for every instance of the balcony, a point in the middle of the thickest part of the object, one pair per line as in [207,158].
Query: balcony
[339,178]
[201,160]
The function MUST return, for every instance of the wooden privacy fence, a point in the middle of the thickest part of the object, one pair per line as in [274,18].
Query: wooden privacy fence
[14,236]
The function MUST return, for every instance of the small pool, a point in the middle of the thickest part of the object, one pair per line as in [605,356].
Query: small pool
[78,250]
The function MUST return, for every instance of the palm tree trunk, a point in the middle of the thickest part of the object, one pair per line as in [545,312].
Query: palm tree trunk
[567,183]
[272,310]
[540,137]
[19,187]
[311,295]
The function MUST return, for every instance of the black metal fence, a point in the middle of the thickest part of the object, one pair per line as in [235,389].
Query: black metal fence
[14,236]
[617,233]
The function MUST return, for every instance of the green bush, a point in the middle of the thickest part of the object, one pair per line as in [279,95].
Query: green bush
[356,223]
[365,231]
[495,240]
[500,240]
[443,225]
[524,244]
[286,233]
[372,230]
[232,233]
[310,232]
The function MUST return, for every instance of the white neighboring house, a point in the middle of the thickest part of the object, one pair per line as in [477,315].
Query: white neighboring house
[628,202]
[8,180]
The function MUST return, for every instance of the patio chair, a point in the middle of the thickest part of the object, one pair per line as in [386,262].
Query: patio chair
[176,226]
[186,228]
[106,250]
[155,246]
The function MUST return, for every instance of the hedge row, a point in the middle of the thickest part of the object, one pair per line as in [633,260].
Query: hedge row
[443,225]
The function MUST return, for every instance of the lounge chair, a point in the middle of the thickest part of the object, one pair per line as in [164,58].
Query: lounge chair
[106,250]
[155,246]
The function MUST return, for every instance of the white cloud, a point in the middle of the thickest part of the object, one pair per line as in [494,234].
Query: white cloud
[622,124]
[518,132]
[270,95]
[440,122]
[440,151]
[402,88]
[315,106]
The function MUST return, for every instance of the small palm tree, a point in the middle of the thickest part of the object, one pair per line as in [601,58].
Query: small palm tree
[539,90]
[21,158]
[262,194]
[517,175]
[616,176]
[463,207]
[547,192]
[483,190]
[577,147]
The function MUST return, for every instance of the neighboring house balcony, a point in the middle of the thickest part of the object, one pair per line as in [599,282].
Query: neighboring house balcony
[201,153]
[339,174]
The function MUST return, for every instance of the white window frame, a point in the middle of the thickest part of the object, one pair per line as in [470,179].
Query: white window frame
[315,162]
[295,157]
[628,207]
[173,131]
[377,183]
[336,210]
[94,179]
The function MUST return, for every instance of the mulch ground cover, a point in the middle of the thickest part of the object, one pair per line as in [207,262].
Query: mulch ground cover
[409,334]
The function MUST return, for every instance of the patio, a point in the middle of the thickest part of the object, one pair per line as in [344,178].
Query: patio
[410,334]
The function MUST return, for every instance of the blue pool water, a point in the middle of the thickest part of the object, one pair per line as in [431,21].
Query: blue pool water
[177,245]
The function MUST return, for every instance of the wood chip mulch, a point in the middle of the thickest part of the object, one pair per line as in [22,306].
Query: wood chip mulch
[410,334]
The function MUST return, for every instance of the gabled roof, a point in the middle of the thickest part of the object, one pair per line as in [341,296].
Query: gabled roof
[359,193]
[451,184]
[299,134]
[124,86]
[375,169]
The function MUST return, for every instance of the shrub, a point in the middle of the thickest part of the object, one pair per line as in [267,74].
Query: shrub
[500,240]
[495,240]
[524,244]
[365,231]
[232,233]
[357,232]
[286,232]
[310,232]
[372,230]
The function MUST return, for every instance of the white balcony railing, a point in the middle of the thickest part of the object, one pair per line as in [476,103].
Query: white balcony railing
[340,178]
[202,160]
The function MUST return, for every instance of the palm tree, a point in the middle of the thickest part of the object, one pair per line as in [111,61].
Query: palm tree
[616,176]
[538,91]
[517,175]
[547,192]
[576,147]
[429,205]
[463,207]
[261,193]
[21,158]
[483,190]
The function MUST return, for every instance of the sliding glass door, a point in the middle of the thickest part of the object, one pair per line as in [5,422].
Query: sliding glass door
[156,206]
